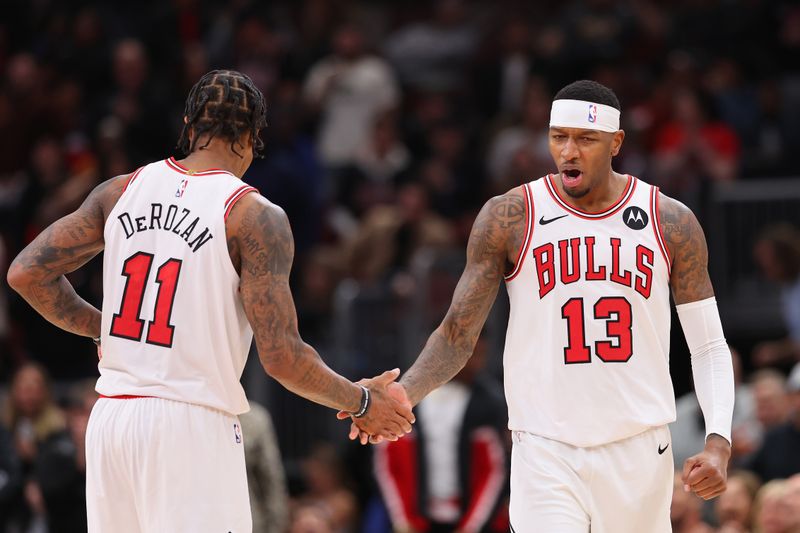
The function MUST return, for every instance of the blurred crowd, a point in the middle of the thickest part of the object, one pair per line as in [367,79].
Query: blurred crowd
[389,124]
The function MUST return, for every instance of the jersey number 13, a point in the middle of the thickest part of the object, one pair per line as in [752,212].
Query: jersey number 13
[617,313]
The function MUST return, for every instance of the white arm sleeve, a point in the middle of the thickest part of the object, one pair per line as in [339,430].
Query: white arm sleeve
[712,367]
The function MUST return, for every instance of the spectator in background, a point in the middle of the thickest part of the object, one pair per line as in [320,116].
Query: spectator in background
[389,235]
[692,149]
[684,513]
[529,136]
[688,430]
[734,507]
[791,500]
[10,479]
[32,418]
[771,398]
[770,509]
[778,455]
[266,479]
[60,468]
[502,79]
[138,101]
[777,253]
[433,55]
[348,89]
[311,519]
[449,474]
[383,157]
[326,491]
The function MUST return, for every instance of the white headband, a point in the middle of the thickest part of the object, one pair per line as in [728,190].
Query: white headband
[585,115]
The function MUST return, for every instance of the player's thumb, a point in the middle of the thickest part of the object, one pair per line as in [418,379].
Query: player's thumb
[690,464]
[342,415]
[388,376]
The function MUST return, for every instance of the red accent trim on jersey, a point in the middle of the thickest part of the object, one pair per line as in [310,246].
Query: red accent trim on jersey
[526,243]
[656,217]
[236,196]
[627,194]
[177,167]
[130,180]
[124,397]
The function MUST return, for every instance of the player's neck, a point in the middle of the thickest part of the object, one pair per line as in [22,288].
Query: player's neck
[601,196]
[216,155]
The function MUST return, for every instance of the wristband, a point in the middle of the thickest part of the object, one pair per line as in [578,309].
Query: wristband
[364,403]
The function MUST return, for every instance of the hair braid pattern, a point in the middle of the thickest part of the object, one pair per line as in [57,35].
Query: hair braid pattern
[225,104]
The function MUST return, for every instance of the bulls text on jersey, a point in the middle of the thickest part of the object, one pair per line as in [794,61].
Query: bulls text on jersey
[568,266]
[172,219]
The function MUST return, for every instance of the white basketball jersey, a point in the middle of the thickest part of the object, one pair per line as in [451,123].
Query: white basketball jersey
[587,349]
[173,322]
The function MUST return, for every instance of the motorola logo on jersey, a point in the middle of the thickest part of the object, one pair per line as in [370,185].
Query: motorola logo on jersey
[635,217]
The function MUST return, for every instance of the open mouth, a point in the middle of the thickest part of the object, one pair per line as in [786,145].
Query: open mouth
[571,177]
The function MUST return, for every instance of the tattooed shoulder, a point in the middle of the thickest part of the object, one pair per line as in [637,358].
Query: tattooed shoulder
[686,243]
[259,237]
[500,227]
[104,196]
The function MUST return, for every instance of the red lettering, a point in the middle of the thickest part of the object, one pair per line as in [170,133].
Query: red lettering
[623,278]
[573,274]
[645,259]
[544,257]
[591,273]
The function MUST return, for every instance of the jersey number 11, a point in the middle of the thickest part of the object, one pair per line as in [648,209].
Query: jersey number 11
[127,323]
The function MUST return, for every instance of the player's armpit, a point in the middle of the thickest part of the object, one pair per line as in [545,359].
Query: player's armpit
[261,234]
[689,277]
[37,273]
[495,238]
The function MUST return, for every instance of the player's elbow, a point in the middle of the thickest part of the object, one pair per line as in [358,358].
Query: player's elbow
[18,277]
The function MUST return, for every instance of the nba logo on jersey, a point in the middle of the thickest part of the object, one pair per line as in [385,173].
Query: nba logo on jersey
[592,113]
[181,188]
[237,434]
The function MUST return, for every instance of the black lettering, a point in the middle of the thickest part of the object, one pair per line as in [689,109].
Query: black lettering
[169,220]
[127,224]
[140,225]
[200,240]
[176,230]
[188,231]
[155,208]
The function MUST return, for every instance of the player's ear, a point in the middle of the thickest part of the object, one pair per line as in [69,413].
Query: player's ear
[616,142]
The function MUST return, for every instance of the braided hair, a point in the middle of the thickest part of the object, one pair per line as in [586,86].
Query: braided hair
[226,104]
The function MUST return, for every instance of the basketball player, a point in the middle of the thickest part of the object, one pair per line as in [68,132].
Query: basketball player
[589,257]
[193,259]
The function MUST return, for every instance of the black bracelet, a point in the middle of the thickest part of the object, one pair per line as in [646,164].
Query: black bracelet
[364,403]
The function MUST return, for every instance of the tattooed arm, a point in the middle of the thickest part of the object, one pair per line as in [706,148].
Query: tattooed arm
[262,248]
[706,472]
[493,244]
[686,242]
[37,273]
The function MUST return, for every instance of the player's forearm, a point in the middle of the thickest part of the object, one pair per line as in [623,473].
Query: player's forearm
[441,359]
[299,368]
[58,302]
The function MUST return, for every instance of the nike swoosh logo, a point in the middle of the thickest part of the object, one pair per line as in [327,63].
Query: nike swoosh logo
[662,450]
[542,221]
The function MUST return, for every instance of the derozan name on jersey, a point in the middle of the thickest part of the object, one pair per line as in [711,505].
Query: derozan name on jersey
[571,268]
[172,219]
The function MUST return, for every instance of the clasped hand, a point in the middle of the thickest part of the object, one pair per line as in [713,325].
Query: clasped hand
[389,415]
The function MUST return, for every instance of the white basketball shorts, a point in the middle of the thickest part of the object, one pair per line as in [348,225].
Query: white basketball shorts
[161,465]
[620,487]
